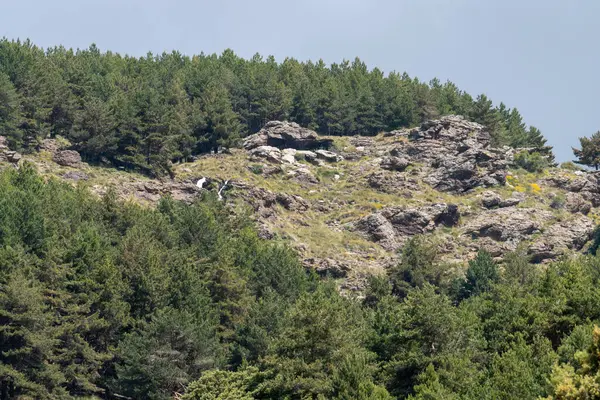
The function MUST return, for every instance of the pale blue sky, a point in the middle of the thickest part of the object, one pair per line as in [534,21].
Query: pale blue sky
[536,55]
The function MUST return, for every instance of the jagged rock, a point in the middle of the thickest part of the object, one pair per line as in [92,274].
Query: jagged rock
[283,134]
[457,153]
[507,224]
[575,203]
[329,156]
[566,235]
[391,226]
[13,156]
[76,176]
[378,229]
[361,141]
[289,156]
[490,199]
[67,158]
[394,163]
[268,153]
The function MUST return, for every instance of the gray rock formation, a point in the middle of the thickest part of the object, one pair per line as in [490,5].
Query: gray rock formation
[456,152]
[283,134]
[560,237]
[394,163]
[269,153]
[507,224]
[67,158]
[490,199]
[328,156]
[391,226]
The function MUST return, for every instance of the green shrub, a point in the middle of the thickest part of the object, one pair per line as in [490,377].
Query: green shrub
[558,201]
[256,169]
[532,162]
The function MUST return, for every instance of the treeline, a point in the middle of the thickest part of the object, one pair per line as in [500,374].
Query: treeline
[146,113]
[100,298]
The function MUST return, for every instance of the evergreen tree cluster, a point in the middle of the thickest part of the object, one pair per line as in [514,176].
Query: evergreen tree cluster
[146,113]
[104,299]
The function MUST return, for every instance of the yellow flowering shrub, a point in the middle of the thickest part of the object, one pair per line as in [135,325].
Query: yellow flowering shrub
[535,188]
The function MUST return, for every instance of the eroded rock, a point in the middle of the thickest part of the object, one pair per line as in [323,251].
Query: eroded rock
[67,158]
[560,237]
[283,134]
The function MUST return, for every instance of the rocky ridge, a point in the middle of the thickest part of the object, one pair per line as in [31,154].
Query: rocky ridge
[349,204]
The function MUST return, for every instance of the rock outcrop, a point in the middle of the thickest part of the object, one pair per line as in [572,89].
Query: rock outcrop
[456,152]
[391,226]
[67,158]
[560,237]
[283,134]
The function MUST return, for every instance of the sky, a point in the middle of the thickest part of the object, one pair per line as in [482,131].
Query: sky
[536,55]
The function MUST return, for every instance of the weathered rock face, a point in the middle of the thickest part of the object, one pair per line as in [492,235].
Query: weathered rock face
[556,239]
[456,152]
[507,224]
[391,226]
[587,185]
[67,158]
[283,134]
[491,199]
[576,203]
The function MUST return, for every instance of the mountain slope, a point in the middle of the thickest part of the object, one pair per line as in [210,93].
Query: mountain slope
[349,210]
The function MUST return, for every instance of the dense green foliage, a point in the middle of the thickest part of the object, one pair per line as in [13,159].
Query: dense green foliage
[589,153]
[99,297]
[146,113]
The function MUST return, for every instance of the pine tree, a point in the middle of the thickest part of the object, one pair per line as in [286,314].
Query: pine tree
[589,153]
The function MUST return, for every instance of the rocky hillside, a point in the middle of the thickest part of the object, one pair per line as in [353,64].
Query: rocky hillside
[348,204]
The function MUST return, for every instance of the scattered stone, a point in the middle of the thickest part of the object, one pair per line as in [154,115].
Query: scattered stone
[491,199]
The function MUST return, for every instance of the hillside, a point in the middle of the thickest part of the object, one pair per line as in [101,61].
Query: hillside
[216,228]
[456,268]
[349,210]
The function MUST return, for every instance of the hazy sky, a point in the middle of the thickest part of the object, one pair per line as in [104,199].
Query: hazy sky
[537,55]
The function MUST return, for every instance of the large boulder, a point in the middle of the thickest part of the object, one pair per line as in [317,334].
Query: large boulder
[67,158]
[283,134]
[269,153]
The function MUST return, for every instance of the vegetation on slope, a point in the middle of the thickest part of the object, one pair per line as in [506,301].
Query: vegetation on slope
[145,113]
[100,297]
